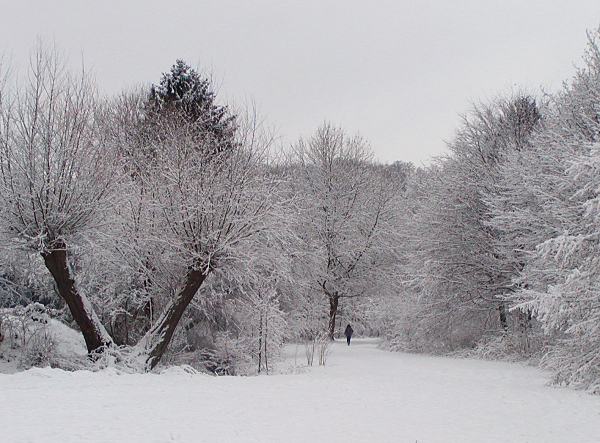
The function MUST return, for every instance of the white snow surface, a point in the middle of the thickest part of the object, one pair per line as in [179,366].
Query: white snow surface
[364,394]
[69,345]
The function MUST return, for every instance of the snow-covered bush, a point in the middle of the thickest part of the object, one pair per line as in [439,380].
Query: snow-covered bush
[318,345]
[525,346]
[252,341]
[231,355]
[30,337]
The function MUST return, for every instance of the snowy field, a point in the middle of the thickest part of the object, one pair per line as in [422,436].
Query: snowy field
[362,395]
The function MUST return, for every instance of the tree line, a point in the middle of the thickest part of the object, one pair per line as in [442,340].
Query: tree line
[501,237]
[169,227]
[160,219]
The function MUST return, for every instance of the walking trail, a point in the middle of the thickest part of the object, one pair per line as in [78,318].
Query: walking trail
[363,394]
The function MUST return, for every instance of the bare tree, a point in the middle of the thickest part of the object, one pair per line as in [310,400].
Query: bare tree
[345,216]
[56,174]
[210,206]
[63,164]
[458,265]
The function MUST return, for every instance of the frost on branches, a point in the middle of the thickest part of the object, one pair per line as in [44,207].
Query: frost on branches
[67,181]
[346,212]
[56,176]
[163,225]
[553,192]
[501,237]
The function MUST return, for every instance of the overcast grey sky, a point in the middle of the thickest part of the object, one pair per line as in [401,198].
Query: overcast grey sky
[398,72]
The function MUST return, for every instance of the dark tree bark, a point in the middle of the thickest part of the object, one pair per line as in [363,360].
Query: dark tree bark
[157,339]
[265,341]
[56,260]
[260,345]
[503,318]
[333,307]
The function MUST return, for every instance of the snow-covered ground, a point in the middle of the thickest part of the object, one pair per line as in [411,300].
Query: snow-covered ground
[363,395]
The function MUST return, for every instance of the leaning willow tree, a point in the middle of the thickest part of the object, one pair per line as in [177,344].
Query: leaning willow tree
[63,174]
[56,175]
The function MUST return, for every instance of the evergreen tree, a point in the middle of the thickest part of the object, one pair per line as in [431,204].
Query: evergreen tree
[187,98]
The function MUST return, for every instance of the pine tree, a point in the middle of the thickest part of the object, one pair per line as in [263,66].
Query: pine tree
[187,98]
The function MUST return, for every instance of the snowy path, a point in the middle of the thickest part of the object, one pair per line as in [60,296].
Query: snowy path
[363,395]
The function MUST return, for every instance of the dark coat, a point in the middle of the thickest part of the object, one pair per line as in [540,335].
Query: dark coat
[349,331]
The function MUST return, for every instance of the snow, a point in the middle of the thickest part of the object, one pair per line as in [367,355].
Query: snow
[364,394]
[68,341]
[70,345]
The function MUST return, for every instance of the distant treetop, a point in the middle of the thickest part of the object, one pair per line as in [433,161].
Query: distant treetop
[187,96]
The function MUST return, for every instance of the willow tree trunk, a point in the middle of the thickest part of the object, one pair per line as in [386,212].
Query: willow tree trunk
[157,339]
[95,336]
[333,307]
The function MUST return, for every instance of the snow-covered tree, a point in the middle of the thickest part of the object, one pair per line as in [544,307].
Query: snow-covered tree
[546,208]
[57,175]
[345,217]
[183,95]
[453,262]
[65,181]
[209,205]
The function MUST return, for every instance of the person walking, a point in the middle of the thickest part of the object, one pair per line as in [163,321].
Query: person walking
[348,333]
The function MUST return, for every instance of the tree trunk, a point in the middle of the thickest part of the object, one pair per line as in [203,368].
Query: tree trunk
[503,319]
[96,337]
[157,339]
[260,332]
[333,306]
[265,341]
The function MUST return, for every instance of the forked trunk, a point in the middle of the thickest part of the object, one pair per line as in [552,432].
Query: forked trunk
[96,337]
[157,339]
[333,307]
